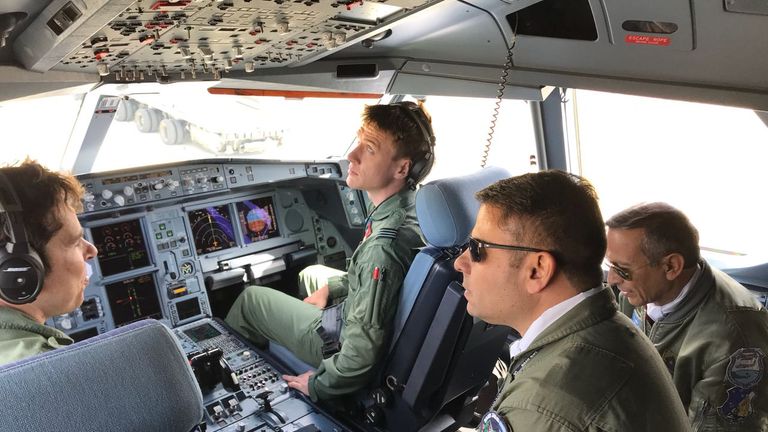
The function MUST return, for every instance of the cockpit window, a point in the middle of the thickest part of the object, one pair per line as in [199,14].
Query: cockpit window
[38,127]
[706,160]
[169,123]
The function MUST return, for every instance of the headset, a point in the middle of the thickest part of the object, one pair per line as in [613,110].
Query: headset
[21,270]
[421,166]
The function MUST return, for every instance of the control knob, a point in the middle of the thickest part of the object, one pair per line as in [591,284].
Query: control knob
[217,179]
[106,194]
[119,200]
[128,191]
[66,323]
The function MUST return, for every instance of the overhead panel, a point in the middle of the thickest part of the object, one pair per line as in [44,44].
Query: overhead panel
[62,27]
[644,24]
[169,40]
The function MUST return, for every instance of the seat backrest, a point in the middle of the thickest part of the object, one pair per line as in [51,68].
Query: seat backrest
[440,356]
[135,378]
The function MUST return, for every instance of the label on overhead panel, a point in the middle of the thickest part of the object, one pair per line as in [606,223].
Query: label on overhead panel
[647,40]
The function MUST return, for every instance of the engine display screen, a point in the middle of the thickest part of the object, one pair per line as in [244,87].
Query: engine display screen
[201,333]
[188,308]
[121,246]
[257,219]
[133,299]
[212,229]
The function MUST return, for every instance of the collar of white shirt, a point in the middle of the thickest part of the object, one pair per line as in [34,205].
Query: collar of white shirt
[657,312]
[547,318]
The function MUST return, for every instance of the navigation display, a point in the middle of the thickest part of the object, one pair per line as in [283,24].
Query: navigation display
[121,246]
[188,308]
[212,229]
[257,219]
[133,299]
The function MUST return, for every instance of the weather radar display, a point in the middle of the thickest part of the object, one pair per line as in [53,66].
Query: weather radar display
[212,229]
[257,219]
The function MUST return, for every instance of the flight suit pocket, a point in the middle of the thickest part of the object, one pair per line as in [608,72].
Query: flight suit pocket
[704,420]
[372,315]
[377,298]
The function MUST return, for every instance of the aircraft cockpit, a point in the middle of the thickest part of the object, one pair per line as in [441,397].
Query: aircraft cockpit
[211,137]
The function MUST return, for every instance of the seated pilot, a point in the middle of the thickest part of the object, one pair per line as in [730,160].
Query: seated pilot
[44,269]
[344,341]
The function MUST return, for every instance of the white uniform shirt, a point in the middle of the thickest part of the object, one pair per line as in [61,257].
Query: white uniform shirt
[657,312]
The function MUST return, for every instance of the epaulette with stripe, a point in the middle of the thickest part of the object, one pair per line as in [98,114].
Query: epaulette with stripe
[390,233]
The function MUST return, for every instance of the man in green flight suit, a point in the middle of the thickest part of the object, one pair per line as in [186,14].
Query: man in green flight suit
[47,219]
[393,153]
[710,331]
[533,263]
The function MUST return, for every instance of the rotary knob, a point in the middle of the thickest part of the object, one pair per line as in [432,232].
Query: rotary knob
[66,323]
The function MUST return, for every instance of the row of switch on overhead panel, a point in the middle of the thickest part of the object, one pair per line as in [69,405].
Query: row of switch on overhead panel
[144,191]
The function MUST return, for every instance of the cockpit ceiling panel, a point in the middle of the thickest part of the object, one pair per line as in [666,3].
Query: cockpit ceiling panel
[163,40]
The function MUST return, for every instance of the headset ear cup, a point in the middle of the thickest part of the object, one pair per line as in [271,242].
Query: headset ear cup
[21,269]
[420,168]
[21,276]
[417,169]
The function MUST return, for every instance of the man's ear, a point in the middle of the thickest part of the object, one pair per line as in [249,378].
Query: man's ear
[673,264]
[403,167]
[541,268]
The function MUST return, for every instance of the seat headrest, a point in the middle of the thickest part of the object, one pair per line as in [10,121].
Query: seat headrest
[134,378]
[447,208]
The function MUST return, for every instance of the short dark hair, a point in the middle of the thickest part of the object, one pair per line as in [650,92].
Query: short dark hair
[40,192]
[666,230]
[399,120]
[558,211]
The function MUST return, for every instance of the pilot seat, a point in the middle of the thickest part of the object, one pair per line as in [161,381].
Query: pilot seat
[440,357]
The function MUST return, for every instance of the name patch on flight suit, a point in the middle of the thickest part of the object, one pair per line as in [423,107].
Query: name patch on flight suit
[493,422]
[744,372]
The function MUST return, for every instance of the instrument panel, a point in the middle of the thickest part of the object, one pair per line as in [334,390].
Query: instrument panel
[171,237]
[242,391]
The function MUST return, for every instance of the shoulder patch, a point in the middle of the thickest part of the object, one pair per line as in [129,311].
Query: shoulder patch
[745,367]
[493,422]
[744,372]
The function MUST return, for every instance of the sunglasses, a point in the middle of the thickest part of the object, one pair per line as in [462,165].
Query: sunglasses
[476,247]
[622,272]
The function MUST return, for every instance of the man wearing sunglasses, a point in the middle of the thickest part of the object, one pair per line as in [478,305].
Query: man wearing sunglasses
[533,263]
[711,332]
